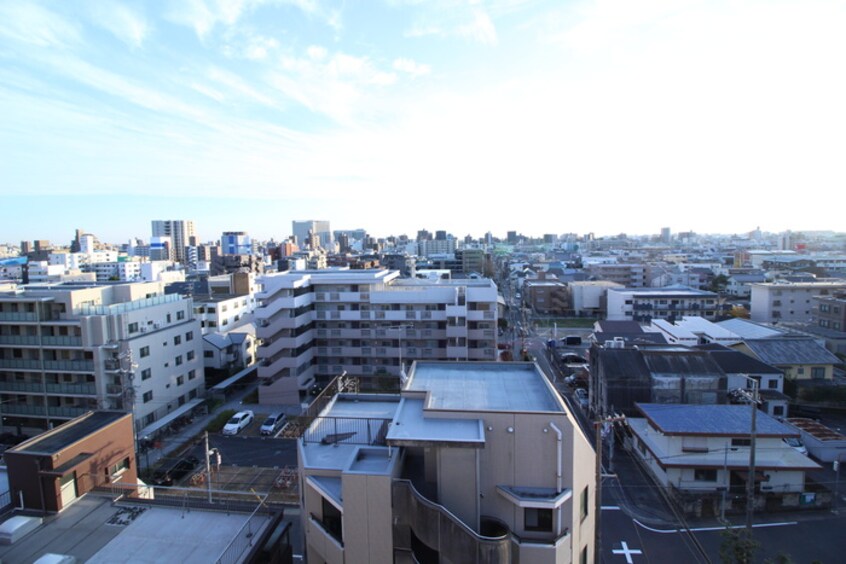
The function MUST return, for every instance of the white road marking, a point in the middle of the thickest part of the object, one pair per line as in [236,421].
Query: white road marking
[704,529]
[627,552]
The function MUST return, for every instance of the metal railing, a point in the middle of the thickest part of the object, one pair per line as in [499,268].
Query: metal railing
[37,387]
[439,529]
[244,538]
[347,430]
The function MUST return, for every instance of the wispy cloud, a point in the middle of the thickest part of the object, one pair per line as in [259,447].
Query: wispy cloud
[120,20]
[30,23]
[450,18]
[411,67]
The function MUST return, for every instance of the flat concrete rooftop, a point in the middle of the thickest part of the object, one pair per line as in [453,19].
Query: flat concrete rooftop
[93,530]
[484,386]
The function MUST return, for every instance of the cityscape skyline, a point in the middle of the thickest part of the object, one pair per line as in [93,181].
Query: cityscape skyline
[711,117]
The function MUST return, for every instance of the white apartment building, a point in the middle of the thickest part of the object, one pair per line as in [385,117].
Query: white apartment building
[470,462]
[66,349]
[317,324]
[646,304]
[320,228]
[590,297]
[788,301]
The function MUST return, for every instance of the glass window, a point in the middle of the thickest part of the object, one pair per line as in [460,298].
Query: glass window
[535,519]
[189,355]
[189,336]
[192,374]
[177,340]
[148,396]
[146,374]
[584,503]
[133,327]
[707,474]
[179,360]
[180,315]
[145,351]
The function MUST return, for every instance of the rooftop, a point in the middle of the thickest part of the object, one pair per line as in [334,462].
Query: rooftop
[93,530]
[484,386]
[711,420]
[69,433]
[787,350]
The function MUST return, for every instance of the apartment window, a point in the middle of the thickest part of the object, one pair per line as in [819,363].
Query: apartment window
[177,340]
[180,315]
[189,336]
[189,355]
[145,351]
[706,474]
[180,380]
[168,318]
[192,374]
[741,442]
[536,519]
[146,374]
[133,327]
[332,521]
[208,354]
[584,503]
[800,370]
[116,470]
[772,384]
[817,373]
[148,396]
[179,360]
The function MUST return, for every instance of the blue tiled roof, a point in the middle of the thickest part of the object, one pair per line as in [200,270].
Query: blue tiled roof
[711,420]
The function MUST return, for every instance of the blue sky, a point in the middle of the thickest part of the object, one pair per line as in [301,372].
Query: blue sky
[397,115]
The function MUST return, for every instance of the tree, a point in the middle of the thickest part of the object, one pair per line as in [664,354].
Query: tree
[718,283]
[738,546]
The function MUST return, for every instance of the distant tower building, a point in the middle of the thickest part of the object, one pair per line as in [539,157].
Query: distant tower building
[665,235]
[344,243]
[26,247]
[489,238]
[424,235]
[74,248]
[301,229]
[440,235]
[179,231]
[161,248]
[41,245]
[512,237]
[235,243]
[549,238]
[785,242]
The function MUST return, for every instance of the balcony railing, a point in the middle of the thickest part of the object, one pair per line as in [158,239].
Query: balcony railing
[18,316]
[347,430]
[442,531]
[38,388]
[38,411]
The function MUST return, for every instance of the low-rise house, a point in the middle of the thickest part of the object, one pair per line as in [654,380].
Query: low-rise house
[800,358]
[700,454]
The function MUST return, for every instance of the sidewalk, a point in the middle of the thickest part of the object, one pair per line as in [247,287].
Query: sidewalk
[172,443]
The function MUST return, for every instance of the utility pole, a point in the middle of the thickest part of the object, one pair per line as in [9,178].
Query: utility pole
[208,467]
[750,482]
[597,427]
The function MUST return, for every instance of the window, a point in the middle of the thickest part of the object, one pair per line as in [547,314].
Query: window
[180,315]
[189,356]
[148,396]
[179,360]
[192,374]
[146,374]
[332,520]
[168,318]
[800,370]
[741,442]
[583,559]
[177,340]
[180,380]
[584,502]
[772,384]
[706,474]
[208,354]
[133,327]
[116,470]
[818,373]
[535,519]
[189,336]
[145,351]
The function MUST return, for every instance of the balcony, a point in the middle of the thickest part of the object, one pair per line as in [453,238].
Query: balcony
[20,364]
[18,316]
[82,389]
[443,532]
[347,430]
[69,365]
[38,411]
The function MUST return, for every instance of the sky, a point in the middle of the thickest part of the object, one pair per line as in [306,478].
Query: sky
[558,116]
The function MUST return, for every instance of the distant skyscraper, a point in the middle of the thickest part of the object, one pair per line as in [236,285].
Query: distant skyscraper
[236,243]
[301,229]
[665,234]
[440,235]
[512,237]
[180,232]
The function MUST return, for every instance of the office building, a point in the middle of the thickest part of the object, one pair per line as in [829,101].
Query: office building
[236,243]
[181,232]
[317,324]
[470,462]
[302,230]
[67,349]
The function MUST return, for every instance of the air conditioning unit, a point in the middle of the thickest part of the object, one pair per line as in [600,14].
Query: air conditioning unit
[143,329]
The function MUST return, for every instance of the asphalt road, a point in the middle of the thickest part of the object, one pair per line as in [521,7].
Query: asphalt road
[251,451]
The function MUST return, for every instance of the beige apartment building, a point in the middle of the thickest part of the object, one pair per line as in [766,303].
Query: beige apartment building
[470,462]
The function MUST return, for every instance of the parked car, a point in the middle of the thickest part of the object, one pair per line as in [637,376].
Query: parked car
[581,395]
[238,422]
[167,475]
[797,444]
[272,424]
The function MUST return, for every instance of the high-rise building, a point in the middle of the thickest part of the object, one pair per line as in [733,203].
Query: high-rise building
[512,237]
[316,324]
[180,232]
[236,243]
[66,350]
[665,235]
[301,229]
